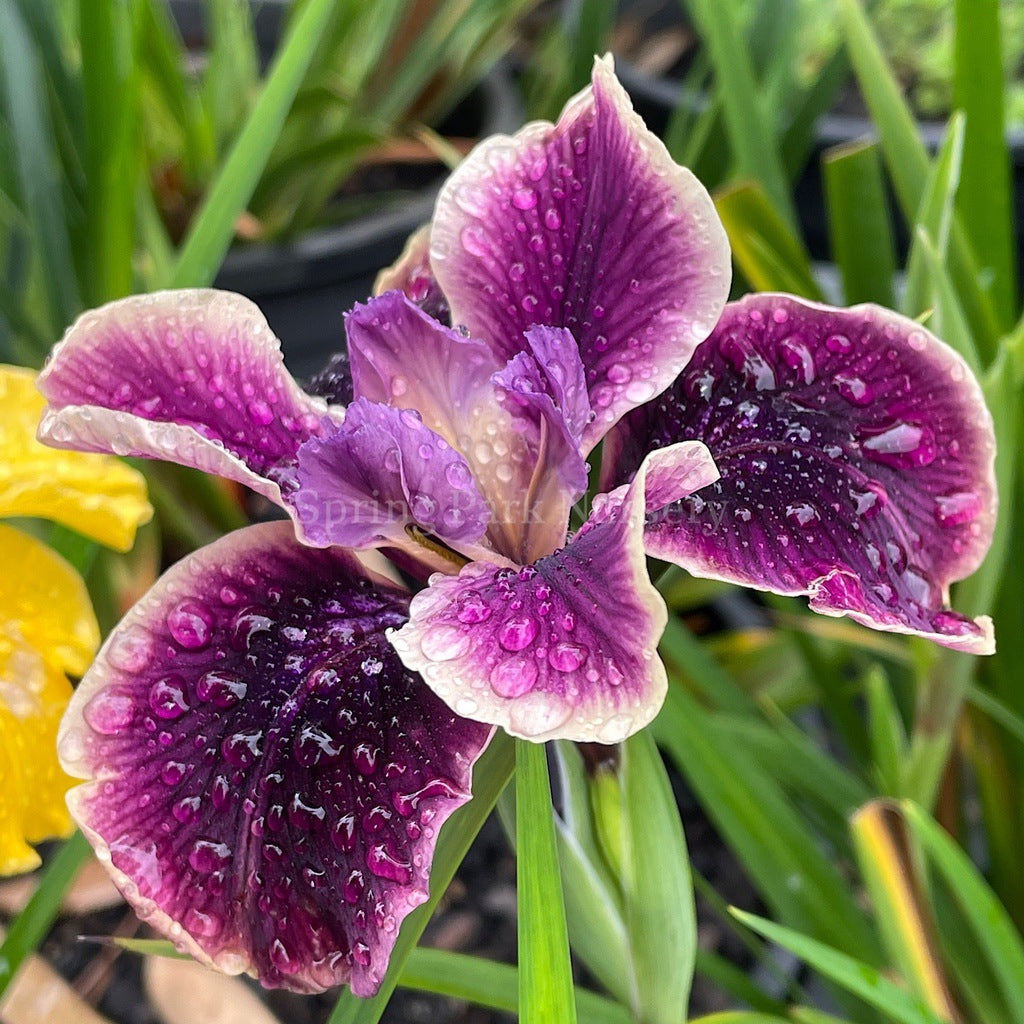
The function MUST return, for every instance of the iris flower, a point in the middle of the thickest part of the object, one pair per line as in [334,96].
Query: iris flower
[275,733]
[47,626]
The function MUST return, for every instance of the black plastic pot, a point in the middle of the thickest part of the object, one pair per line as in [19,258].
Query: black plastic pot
[304,286]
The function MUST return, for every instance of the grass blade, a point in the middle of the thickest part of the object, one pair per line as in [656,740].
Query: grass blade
[887,864]
[750,128]
[935,215]
[545,971]
[110,91]
[998,941]
[856,977]
[31,925]
[211,232]
[767,252]
[985,202]
[861,230]
[491,984]
[907,160]
[38,165]
[660,916]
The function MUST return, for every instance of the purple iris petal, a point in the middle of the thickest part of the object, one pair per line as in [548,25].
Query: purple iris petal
[380,471]
[856,455]
[405,358]
[194,377]
[565,647]
[588,225]
[266,779]
[400,356]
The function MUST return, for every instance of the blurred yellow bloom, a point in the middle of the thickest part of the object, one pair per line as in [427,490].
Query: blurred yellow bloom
[47,627]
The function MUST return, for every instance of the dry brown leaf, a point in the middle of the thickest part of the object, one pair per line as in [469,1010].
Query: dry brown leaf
[92,890]
[184,992]
[39,995]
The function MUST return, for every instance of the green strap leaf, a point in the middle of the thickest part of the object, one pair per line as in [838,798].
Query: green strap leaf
[985,202]
[855,976]
[487,983]
[997,939]
[545,970]
[750,128]
[212,231]
[658,893]
[858,213]
[30,927]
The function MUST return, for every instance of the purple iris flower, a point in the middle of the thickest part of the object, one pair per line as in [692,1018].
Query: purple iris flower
[274,734]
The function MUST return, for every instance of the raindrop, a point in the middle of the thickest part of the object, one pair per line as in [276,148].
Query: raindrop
[221,688]
[444,643]
[567,657]
[512,677]
[524,199]
[802,514]
[167,697]
[473,609]
[108,713]
[518,633]
[957,508]
[853,389]
[902,446]
[190,625]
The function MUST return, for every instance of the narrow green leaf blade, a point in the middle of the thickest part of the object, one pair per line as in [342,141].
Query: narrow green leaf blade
[985,202]
[660,916]
[30,927]
[862,240]
[998,941]
[856,977]
[110,91]
[545,971]
[23,95]
[764,247]
[491,984]
[750,127]
[212,231]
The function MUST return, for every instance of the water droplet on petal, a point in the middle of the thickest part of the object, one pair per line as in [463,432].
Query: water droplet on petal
[957,508]
[524,199]
[567,657]
[108,713]
[167,697]
[190,625]
[512,677]
[802,514]
[853,389]
[902,446]
[444,643]
[518,633]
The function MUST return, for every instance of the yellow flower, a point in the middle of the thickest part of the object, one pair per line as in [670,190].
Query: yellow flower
[47,627]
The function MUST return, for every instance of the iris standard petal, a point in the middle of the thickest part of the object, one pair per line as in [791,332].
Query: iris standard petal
[381,471]
[404,358]
[856,455]
[589,225]
[191,376]
[266,780]
[93,494]
[565,647]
